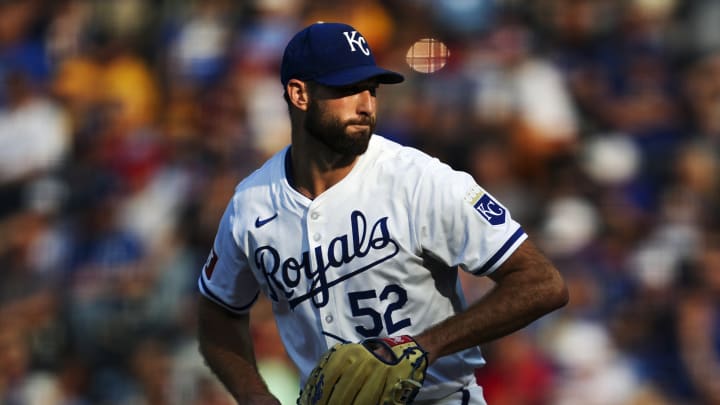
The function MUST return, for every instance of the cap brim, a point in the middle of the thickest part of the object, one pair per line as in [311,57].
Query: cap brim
[357,74]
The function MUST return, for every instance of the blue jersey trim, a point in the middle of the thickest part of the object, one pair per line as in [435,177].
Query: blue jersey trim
[206,291]
[501,252]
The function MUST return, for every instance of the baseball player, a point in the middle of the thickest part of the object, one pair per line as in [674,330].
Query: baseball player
[355,238]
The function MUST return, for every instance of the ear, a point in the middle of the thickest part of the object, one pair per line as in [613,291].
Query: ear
[297,92]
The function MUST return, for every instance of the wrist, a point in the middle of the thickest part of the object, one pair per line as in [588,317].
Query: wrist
[426,343]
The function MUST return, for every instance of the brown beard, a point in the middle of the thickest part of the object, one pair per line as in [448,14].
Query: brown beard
[332,133]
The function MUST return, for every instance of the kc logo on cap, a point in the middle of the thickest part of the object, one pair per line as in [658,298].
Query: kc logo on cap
[354,38]
[332,54]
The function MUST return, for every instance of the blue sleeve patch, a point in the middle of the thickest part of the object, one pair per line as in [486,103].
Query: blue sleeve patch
[490,210]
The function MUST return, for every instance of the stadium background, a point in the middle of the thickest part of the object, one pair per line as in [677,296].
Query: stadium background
[124,125]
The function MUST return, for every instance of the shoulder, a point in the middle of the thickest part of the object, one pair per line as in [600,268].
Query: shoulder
[409,165]
[390,154]
[263,180]
[254,196]
[418,171]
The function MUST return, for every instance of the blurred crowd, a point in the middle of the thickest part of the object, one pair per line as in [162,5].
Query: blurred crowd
[125,124]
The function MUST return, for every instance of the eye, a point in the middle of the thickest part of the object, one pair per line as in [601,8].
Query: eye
[346,91]
[359,89]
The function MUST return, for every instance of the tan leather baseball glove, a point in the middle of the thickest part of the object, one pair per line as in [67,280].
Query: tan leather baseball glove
[375,371]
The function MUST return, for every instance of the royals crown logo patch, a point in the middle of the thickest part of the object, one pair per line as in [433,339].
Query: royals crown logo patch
[490,209]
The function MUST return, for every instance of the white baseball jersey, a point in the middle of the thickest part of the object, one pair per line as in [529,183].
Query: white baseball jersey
[377,254]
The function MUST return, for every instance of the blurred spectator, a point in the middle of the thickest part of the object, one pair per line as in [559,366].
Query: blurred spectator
[22,49]
[595,377]
[698,322]
[33,139]
[106,277]
[702,86]
[127,86]
[198,43]
[523,92]
[619,64]
[370,16]
[702,34]
[19,383]
[517,372]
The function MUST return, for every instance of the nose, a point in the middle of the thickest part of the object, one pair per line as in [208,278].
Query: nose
[365,103]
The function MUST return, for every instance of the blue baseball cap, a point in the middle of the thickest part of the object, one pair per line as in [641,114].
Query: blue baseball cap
[332,54]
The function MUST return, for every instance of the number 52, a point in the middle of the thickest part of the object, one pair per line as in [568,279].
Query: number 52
[400,296]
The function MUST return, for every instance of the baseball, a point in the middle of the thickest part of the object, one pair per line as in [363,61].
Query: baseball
[427,55]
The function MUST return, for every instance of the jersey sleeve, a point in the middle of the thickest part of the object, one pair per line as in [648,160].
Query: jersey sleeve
[226,277]
[462,224]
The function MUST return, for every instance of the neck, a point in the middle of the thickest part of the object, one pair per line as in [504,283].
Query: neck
[312,168]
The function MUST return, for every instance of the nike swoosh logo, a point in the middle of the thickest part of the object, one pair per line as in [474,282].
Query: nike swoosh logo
[260,222]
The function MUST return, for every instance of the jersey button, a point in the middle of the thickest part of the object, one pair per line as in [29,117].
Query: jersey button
[329,319]
[314,215]
[316,237]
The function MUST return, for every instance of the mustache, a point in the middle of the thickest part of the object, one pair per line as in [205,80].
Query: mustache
[361,121]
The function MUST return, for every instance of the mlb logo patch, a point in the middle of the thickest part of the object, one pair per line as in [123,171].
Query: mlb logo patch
[490,210]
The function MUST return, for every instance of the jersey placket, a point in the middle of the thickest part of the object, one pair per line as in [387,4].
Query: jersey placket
[317,231]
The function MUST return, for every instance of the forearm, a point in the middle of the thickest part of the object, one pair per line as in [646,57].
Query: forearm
[518,298]
[496,314]
[237,374]
[229,354]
